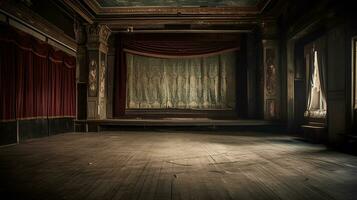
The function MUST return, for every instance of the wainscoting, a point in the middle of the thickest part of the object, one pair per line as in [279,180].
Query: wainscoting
[22,130]
[8,132]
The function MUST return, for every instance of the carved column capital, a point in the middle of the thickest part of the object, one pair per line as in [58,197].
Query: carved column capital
[98,35]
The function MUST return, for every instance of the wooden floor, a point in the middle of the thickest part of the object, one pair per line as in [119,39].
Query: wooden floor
[177,122]
[175,165]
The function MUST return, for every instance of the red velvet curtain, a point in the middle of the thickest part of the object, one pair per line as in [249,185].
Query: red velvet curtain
[69,83]
[7,80]
[165,46]
[62,91]
[36,81]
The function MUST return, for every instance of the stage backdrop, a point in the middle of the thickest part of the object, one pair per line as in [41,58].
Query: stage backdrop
[176,71]
[181,83]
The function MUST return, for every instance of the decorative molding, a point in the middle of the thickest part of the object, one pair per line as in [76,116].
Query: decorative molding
[211,23]
[151,18]
[272,87]
[271,72]
[57,45]
[92,79]
[162,10]
[102,109]
[32,20]
[26,29]
[80,10]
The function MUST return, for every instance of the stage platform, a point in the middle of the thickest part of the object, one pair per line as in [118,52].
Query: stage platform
[176,123]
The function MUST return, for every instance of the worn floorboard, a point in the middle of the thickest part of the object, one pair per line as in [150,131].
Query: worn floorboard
[175,165]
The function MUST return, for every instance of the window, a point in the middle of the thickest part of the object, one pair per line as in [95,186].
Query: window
[316,98]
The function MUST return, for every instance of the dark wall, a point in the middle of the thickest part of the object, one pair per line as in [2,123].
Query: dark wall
[54,12]
[8,133]
[333,20]
[33,128]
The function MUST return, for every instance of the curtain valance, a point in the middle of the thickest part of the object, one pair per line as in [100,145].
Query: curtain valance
[179,45]
[28,43]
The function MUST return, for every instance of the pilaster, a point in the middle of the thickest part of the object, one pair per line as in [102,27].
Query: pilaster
[272,71]
[81,69]
[97,47]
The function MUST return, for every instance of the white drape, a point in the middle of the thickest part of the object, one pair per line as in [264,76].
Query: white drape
[316,106]
[181,83]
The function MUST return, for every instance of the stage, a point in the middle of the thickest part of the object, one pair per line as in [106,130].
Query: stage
[96,125]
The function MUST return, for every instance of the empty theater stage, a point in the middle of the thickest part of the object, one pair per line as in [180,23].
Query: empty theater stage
[175,165]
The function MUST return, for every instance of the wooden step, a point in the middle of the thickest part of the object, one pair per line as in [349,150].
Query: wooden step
[315,133]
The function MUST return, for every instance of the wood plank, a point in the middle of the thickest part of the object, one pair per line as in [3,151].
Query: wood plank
[175,165]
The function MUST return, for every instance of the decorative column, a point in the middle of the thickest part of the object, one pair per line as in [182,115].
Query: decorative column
[110,76]
[272,71]
[97,47]
[81,70]
[81,38]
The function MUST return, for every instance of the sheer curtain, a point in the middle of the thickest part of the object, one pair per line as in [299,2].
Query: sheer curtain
[316,104]
[181,83]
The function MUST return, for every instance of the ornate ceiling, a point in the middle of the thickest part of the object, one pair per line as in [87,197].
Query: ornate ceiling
[153,15]
[177,3]
[170,7]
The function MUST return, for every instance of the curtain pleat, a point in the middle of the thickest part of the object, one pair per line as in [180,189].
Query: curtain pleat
[7,81]
[36,81]
[195,83]
[55,94]
[179,45]
[320,46]
[316,97]
[182,90]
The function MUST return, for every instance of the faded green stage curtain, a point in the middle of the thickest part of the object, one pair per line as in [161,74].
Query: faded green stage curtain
[181,83]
